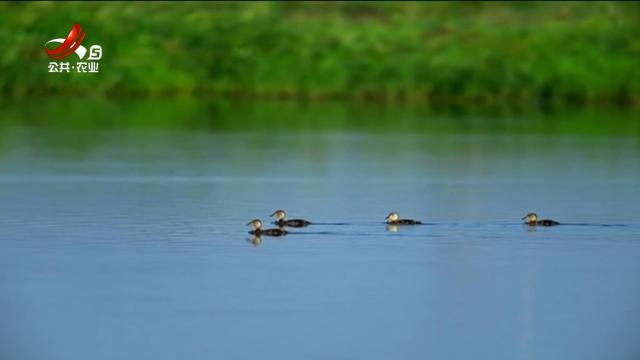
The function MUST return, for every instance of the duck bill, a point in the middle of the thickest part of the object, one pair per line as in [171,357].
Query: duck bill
[524,217]
[249,223]
[273,213]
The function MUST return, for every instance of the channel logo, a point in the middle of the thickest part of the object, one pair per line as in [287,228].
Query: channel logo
[73,44]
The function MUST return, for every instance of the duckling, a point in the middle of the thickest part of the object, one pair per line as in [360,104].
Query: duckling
[393,219]
[280,216]
[256,224]
[532,220]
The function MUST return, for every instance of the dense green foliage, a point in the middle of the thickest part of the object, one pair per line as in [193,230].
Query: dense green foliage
[480,52]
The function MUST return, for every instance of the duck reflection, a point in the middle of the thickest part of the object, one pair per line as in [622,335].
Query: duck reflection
[256,240]
[392,228]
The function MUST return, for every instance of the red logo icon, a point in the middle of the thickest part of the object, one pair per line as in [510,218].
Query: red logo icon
[73,43]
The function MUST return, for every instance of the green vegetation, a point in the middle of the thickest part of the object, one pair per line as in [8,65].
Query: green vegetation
[477,52]
[273,117]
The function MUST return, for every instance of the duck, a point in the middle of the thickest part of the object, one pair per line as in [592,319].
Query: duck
[532,220]
[257,230]
[280,220]
[394,219]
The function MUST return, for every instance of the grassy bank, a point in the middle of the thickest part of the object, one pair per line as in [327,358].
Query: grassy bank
[395,52]
[313,118]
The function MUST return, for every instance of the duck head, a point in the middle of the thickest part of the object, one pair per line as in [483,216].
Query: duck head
[256,224]
[279,214]
[393,216]
[531,217]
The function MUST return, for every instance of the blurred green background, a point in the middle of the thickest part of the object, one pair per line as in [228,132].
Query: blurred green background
[398,52]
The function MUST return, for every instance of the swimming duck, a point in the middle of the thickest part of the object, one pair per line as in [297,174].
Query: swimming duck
[532,220]
[256,224]
[393,219]
[280,216]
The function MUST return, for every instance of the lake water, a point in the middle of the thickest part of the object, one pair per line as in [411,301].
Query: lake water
[123,233]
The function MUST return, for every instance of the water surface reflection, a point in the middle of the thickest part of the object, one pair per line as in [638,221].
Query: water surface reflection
[123,233]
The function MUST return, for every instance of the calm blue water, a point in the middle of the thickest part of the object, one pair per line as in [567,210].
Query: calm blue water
[131,244]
